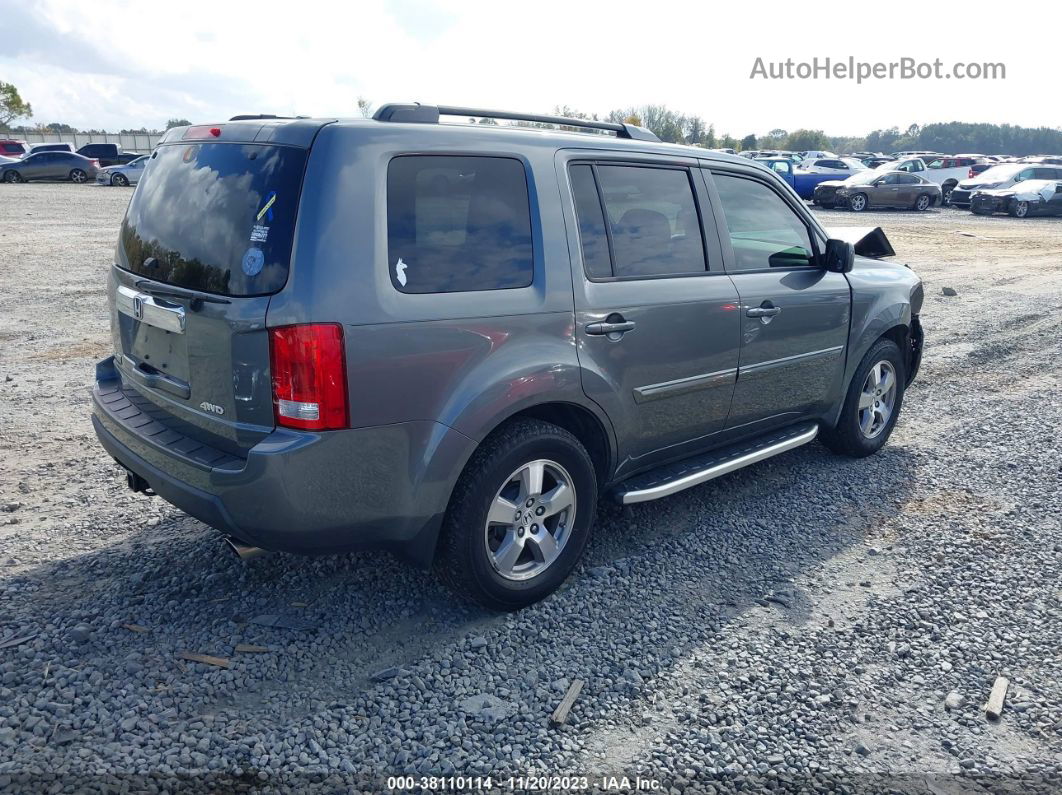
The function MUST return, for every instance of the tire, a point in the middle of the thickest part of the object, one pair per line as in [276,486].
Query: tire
[853,436]
[945,195]
[858,203]
[923,202]
[120,180]
[471,556]
[1019,209]
[11,177]
[78,176]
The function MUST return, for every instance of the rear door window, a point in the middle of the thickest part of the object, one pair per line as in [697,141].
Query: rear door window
[216,217]
[458,224]
[650,219]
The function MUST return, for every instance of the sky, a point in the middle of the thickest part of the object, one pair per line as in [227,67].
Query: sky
[112,64]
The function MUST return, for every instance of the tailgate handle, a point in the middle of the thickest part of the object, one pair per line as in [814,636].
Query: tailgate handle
[144,308]
[151,377]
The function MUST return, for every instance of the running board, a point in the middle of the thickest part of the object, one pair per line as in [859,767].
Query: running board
[673,478]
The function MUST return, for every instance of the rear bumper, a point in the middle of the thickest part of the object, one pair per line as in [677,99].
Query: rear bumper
[338,491]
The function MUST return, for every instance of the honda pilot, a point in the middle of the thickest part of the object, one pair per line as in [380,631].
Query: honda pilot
[449,340]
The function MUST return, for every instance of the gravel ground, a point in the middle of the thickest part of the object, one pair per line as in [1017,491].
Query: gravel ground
[811,621]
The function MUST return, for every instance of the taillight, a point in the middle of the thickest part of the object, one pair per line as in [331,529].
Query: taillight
[95,162]
[972,174]
[309,376]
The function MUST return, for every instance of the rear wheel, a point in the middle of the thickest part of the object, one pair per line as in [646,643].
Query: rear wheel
[922,202]
[119,179]
[520,516]
[872,404]
[78,176]
[1019,209]
[12,177]
[858,202]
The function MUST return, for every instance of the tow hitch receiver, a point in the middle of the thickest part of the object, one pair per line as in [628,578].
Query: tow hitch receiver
[138,484]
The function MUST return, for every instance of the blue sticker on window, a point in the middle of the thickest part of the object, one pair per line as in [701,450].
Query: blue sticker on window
[253,260]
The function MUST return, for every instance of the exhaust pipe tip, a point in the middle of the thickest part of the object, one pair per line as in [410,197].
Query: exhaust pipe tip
[244,551]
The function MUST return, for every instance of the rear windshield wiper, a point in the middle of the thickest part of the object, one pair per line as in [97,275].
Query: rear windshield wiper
[195,297]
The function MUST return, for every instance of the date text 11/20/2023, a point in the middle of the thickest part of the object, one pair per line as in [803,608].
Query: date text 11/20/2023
[529,783]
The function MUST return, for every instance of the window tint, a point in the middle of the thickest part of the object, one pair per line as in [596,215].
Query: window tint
[217,217]
[457,224]
[764,231]
[653,219]
[592,235]
[910,179]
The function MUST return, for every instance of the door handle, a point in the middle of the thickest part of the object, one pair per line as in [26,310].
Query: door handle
[763,311]
[604,327]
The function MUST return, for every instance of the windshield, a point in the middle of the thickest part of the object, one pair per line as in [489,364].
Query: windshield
[855,165]
[1000,173]
[216,217]
[862,178]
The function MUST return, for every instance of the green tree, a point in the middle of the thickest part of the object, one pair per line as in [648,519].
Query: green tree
[802,140]
[177,123]
[12,106]
[748,142]
[58,127]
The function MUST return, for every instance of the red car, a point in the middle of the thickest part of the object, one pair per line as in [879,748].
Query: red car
[9,147]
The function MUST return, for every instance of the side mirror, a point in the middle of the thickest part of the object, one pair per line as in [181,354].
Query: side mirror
[840,256]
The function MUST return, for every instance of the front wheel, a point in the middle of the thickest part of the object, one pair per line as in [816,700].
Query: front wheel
[78,176]
[1019,209]
[945,195]
[12,177]
[520,516]
[858,203]
[872,404]
[120,180]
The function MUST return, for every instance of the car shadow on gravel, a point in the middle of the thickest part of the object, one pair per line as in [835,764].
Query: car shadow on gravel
[660,579]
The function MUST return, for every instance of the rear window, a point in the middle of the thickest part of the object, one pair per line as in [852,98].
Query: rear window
[458,224]
[216,217]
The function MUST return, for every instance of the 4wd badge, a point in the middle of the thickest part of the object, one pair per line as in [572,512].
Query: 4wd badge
[211,408]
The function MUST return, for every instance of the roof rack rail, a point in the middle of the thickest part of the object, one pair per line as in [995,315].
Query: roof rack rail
[254,116]
[429,114]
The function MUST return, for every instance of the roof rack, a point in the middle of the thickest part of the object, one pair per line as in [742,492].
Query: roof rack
[255,116]
[429,114]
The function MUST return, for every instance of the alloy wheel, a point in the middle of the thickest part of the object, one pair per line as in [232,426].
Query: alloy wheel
[877,399]
[858,202]
[923,203]
[77,175]
[530,520]
[1021,209]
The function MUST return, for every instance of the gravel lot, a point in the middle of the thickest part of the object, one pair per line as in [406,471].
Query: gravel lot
[811,617]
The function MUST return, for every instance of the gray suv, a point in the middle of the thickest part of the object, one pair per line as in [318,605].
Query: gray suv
[449,340]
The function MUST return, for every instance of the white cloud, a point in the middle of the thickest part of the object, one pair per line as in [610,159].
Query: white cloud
[114,63]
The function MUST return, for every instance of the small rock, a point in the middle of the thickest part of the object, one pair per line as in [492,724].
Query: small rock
[80,634]
[385,674]
[953,701]
[862,748]
[477,643]
[948,291]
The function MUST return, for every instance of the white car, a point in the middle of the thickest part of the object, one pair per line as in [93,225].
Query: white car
[129,174]
[842,166]
[815,154]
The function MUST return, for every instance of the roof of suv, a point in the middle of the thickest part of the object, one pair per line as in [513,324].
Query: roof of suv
[300,131]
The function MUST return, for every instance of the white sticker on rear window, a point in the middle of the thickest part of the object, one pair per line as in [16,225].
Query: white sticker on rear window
[253,260]
[259,233]
[400,271]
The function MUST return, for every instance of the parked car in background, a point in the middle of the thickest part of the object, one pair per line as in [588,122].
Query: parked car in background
[837,166]
[53,147]
[520,322]
[803,182]
[950,171]
[815,154]
[108,154]
[9,147]
[877,161]
[1032,197]
[1005,175]
[977,168]
[871,189]
[6,159]
[50,166]
[122,175]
